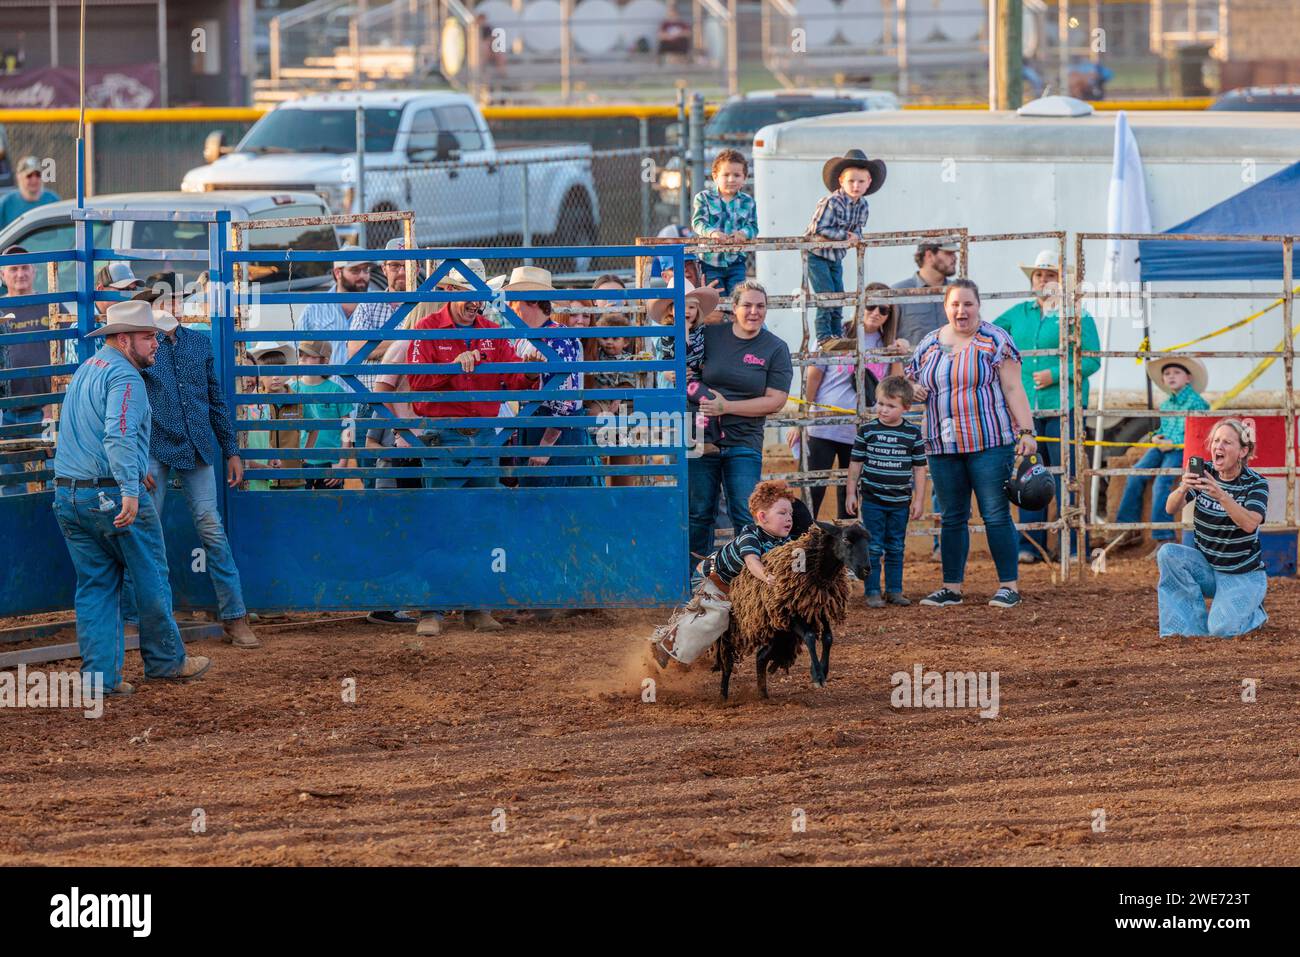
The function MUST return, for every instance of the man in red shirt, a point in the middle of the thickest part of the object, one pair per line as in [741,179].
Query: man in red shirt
[468,352]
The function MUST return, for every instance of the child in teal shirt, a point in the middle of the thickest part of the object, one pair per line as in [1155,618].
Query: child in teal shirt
[318,353]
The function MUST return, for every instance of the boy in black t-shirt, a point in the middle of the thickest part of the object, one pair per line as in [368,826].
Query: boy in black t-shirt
[887,481]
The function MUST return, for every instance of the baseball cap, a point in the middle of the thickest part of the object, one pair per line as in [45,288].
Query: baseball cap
[397,242]
[118,275]
[946,246]
[28,164]
[345,263]
[14,250]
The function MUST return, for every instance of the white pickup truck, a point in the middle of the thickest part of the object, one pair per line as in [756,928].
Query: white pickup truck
[428,152]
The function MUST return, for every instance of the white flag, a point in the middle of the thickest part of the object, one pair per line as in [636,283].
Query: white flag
[1126,212]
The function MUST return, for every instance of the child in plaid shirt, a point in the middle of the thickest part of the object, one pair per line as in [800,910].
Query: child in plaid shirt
[840,215]
[725,213]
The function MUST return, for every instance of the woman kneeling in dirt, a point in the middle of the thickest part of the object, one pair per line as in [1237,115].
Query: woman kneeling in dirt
[1225,565]
[697,625]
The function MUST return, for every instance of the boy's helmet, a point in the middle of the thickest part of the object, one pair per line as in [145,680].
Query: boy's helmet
[1030,485]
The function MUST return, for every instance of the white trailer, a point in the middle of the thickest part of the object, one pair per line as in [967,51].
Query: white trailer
[997,172]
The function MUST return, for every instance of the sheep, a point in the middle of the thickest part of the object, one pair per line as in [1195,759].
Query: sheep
[810,596]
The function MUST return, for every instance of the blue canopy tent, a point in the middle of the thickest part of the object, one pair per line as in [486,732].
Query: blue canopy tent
[1270,207]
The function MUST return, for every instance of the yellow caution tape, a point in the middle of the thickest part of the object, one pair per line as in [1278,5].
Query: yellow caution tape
[1144,346]
[1230,326]
[823,405]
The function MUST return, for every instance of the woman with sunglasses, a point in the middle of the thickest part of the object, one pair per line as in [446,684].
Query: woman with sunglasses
[835,387]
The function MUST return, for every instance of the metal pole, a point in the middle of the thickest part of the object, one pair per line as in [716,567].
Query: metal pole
[408,239]
[54,34]
[88,184]
[274,38]
[528,224]
[1063,41]
[902,48]
[566,50]
[1288,363]
[643,130]
[992,29]
[354,47]
[162,53]
[733,48]
[360,200]
[683,146]
[697,147]
[1094,24]
[1010,44]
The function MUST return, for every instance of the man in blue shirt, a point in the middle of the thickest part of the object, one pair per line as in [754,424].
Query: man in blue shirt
[336,316]
[31,191]
[191,434]
[111,529]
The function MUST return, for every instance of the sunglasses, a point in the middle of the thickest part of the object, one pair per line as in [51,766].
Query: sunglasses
[884,309]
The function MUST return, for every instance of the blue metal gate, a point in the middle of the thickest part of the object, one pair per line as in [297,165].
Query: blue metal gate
[435,546]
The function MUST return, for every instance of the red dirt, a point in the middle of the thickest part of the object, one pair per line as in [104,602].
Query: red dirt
[546,722]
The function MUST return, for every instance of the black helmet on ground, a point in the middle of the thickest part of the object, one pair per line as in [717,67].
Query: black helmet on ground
[1030,485]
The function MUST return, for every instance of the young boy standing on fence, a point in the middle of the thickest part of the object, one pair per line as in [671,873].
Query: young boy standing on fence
[1184,379]
[887,483]
[840,215]
[318,353]
[697,625]
[725,213]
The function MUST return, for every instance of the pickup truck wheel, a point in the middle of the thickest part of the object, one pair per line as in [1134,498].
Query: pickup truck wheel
[577,227]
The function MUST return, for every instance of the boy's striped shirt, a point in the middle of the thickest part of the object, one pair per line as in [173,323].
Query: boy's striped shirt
[1226,546]
[888,454]
[729,560]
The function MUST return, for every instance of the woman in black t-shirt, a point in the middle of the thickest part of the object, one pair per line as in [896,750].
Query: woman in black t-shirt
[1226,564]
[748,370]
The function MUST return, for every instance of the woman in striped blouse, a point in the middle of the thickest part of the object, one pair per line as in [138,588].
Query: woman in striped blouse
[1226,564]
[977,420]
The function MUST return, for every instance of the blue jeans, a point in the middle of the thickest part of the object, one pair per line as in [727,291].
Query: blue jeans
[1187,578]
[888,528]
[1051,454]
[102,554]
[827,276]
[738,468]
[450,438]
[1130,506]
[29,416]
[728,276]
[200,488]
[955,477]
[569,438]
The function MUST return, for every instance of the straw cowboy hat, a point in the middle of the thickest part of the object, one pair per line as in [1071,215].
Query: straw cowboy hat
[853,158]
[134,315]
[1046,259]
[457,279]
[1195,367]
[260,350]
[529,279]
[706,296]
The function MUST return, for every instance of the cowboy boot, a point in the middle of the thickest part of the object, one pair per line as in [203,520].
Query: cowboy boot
[238,633]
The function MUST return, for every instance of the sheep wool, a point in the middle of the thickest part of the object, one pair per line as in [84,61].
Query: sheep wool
[759,611]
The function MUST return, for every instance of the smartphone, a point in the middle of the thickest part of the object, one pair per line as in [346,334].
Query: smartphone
[1196,465]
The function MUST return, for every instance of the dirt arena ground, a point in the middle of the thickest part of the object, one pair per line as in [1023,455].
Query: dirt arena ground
[542,731]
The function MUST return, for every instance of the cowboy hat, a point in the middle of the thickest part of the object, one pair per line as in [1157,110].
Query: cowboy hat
[315,348]
[706,296]
[1046,259]
[529,279]
[165,320]
[1195,367]
[134,315]
[261,350]
[457,278]
[853,159]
